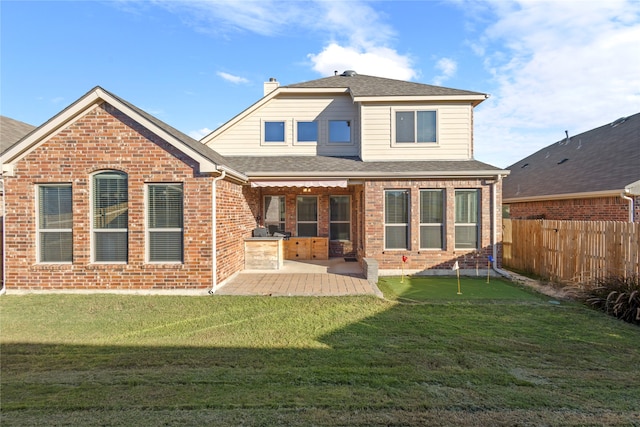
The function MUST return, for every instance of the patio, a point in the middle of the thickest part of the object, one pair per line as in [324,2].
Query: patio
[333,277]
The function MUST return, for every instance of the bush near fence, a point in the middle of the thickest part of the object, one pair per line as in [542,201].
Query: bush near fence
[572,251]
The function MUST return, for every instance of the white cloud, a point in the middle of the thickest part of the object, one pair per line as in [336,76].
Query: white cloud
[231,78]
[200,133]
[558,66]
[447,68]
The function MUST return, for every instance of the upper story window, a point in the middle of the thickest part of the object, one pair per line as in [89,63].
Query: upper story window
[273,131]
[165,222]
[110,217]
[307,131]
[339,131]
[55,223]
[416,127]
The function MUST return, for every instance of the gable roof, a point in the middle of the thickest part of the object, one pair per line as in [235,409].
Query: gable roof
[363,87]
[12,131]
[602,161]
[208,159]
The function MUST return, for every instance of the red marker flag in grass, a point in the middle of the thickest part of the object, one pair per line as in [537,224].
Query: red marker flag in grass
[404,259]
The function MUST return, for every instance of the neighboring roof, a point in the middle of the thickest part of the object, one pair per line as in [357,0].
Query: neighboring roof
[360,85]
[352,167]
[604,160]
[12,131]
[208,159]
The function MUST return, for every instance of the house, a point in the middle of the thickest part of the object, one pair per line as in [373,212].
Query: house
[592,176]
[105,196]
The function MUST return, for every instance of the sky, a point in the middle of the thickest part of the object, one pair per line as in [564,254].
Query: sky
[548,66]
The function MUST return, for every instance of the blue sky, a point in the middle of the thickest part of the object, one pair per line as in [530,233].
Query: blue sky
[548,66]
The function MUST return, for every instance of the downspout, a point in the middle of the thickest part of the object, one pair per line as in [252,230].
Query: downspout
[214,233]
[4,240]
[630,199]
[494,228]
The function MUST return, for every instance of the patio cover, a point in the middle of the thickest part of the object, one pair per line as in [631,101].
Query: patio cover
[300,183]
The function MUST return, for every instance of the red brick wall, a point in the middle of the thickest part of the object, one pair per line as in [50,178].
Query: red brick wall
[102,139]
[429,259]
[592,209]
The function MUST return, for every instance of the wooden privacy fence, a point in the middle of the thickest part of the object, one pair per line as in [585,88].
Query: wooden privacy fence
[572,251]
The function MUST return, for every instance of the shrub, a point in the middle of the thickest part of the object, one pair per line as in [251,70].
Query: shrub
[615,295]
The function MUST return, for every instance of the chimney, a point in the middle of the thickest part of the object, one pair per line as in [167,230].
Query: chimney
[270,86]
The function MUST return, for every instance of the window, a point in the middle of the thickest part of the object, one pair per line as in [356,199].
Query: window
[110,217]
[274,132]
[274,218]
[396,219]
[307,131]
[431,219]
[307,207]
[416,126]
[340,218]
[55,223]
[165,222]
[467,219]
[339,131]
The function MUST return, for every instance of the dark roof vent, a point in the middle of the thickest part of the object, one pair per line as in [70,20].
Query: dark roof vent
[618,122]
[524,166]
[348,73]
[563,161]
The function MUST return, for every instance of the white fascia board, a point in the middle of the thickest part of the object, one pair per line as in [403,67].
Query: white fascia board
[585,195]
[377,175]
[262,101]
[473,99]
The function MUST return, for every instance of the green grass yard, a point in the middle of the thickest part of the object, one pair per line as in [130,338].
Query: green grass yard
[495,355]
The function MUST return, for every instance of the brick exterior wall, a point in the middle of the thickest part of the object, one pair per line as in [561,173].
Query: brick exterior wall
[587,209]
[106,139]
[424,260]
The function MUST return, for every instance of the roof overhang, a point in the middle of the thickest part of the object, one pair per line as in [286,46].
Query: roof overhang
[76,110]
[342,183]
[472,99]
[346,175]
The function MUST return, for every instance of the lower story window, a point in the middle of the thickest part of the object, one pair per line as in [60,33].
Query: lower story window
[55,223]
[274,214]
[396,219]
[165,222]
[307,211]
[467,214]
[431,219]
[340,218]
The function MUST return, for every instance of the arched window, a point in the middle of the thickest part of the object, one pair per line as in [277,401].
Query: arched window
[110,217]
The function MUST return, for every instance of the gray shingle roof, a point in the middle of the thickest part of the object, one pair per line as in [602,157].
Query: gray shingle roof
[353,167]
[602,159]
[363,85]
[12,131]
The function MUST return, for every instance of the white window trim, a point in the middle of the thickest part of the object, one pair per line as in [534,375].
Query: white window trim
[307,222]
[407,225]
[295,132]
[340,222]
[263,123]
[476,225]
[148,230]
[51,230]
[414,144]
[440,224]
[92,230]
[351,141]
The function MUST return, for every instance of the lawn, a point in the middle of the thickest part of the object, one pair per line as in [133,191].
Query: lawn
[511,357]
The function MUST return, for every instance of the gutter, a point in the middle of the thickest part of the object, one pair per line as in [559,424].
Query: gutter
[494,232]
[214,232]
